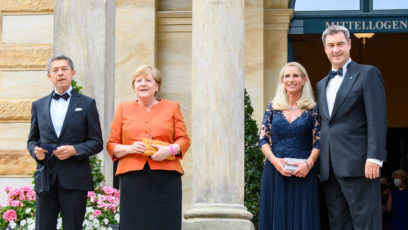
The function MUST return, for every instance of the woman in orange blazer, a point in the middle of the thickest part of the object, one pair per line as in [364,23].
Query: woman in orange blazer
[150,186]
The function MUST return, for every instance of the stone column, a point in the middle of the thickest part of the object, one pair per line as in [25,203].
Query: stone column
[135,43]
[277,22]
[85,31]
[254,56]
[218,117]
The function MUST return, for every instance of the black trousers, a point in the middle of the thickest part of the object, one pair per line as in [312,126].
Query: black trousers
[71,204]
[354,203]
[150,200]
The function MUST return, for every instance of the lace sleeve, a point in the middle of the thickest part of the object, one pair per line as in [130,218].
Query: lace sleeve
[266,127]
[316,127]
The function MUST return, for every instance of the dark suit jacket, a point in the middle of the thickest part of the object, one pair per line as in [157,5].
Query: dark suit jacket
[81,128]
[357,128]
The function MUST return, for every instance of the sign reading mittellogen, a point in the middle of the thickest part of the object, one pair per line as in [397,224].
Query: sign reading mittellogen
[355,25]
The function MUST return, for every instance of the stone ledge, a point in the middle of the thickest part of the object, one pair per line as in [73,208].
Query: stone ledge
[15,109]
[24,57]
[174,21]
[273,4]
[16,162]
[210,211]
[19,6]
[277,15]
[218,223]
[277,19]
[174,14]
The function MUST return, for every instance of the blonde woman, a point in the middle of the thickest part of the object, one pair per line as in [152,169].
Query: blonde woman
[289,139]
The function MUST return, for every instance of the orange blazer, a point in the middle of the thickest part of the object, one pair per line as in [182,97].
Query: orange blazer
[163,122]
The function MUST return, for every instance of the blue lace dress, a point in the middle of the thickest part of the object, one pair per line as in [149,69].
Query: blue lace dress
[289,203]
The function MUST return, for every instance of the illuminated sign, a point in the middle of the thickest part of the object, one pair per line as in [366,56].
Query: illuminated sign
[355,25]
[371,25]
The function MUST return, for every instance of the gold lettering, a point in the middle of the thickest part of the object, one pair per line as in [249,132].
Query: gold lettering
[387,25]
[370,25]
[379,25]
[329,24]
[357,25]
[395,25]
[349,25]
[404,24]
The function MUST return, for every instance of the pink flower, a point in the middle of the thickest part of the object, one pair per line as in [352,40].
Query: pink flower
[116,193]
[31,195]
[10,215]
[100,204]
[97,212]
[7,189]
[26,188]
[16,203]
[91,194]
[108,190]
[22,197]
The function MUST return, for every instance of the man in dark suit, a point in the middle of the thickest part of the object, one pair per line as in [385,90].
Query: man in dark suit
[353,133]
[69,122]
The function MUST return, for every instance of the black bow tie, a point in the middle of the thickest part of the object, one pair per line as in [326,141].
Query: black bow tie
[57,96]
[333,73]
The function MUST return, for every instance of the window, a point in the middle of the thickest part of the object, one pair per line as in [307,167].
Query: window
[328,5]
[390,4]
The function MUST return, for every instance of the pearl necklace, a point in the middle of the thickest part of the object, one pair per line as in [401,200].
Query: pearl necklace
[293,108]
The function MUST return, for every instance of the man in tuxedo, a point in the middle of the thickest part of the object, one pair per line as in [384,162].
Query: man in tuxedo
[353,132]
[66,123]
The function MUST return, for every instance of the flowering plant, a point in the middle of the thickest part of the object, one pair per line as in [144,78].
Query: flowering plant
[19,211]
[102,209]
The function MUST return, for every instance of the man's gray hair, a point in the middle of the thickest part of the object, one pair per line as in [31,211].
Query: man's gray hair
[59,57]
[334,29]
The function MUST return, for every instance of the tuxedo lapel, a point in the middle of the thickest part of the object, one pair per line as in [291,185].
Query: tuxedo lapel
[324,110]
[47,112]
[73,103]
[348,82]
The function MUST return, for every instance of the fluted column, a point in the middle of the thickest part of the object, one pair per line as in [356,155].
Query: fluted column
[218,117]
[277,22]
[85,31]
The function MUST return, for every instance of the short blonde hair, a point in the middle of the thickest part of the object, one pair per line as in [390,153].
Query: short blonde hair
[147,69]
[306,100]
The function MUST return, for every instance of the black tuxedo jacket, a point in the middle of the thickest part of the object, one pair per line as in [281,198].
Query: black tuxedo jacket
[357,127]
[81,128]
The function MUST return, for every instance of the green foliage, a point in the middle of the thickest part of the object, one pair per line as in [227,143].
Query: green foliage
[76,87]
[96,170]
[254,162]
[95,162]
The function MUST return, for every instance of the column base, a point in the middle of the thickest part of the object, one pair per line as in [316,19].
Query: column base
[213,224]
[226,217]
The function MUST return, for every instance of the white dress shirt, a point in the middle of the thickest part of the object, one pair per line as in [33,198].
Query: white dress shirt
[58,110]
[331,91]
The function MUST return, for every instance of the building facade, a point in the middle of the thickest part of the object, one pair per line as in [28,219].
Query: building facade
[108,39]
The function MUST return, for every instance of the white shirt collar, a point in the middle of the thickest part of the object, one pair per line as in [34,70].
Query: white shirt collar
[344,67]
[69,91]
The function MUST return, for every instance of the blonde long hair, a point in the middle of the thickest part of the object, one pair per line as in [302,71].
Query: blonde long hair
[306,100]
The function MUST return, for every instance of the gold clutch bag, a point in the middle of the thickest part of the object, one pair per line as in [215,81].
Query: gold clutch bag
[150,150]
